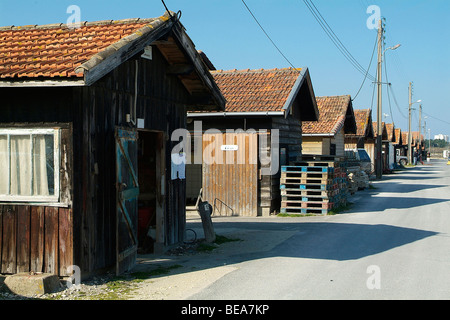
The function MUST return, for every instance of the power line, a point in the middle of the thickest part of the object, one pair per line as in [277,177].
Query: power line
[429,115]
[335,39]
[368,68]
[395,101]
[273,43]
[387,89]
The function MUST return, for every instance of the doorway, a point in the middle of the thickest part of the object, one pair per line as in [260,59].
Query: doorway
[151,168]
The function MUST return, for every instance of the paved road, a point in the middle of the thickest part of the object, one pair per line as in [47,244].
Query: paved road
[393,244]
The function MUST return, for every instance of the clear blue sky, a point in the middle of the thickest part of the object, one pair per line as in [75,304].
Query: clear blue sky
[230,37]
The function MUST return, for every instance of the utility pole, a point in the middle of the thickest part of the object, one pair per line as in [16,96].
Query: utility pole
[420,123]
[378,160]
[409,126]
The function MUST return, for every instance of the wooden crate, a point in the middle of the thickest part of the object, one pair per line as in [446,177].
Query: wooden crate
[311,169]
[314,185]
[325,204]
[309,186]
[304,211]
[308,193]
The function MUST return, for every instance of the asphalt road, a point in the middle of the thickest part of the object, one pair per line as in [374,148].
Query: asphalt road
[394,243]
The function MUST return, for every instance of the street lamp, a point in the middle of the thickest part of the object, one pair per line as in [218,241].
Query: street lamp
[378,159]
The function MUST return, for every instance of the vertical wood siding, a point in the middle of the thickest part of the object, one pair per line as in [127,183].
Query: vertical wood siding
[36,238]
[93,111]
[231,185]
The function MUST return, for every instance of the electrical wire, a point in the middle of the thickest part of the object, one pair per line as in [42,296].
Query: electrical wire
[387,89]
[267,35]
[164,4]
[395,101]
[335,39]
[367,72]
[429,115]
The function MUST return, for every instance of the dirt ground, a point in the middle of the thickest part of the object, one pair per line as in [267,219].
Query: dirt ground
[179,273]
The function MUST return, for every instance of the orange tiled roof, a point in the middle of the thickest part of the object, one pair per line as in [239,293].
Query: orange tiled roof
[415,136]
[398,136]
[405,138]
[256,90]
[332,115]
[56,50]
[383,128]
[390,128]
[362,118]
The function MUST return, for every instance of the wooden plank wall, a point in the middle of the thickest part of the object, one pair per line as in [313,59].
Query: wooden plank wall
[36,238]
[290,136]
[232,183]
[161,102]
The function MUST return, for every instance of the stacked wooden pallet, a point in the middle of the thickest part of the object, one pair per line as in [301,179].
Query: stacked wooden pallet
[313,186]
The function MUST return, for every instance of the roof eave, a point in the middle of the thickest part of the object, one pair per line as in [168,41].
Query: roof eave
[114,55]
[43,83]
[326,135]
[235,114]
[201,68]
[304,76]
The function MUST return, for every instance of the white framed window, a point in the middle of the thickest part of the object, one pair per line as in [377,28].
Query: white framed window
[29,164]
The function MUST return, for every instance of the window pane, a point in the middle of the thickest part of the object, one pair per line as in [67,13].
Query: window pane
[43,165]
[4,165]
[20,165]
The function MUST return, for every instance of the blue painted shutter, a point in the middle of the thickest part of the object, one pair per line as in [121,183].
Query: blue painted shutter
[127,191]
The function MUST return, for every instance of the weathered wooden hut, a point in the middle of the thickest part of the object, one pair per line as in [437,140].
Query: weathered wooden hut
[389,145]
[86,118]
[327,136]
[269,107]
[384,141]
[398,144]
[364,137]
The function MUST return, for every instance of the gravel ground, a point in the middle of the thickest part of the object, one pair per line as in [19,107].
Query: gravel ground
[176,275]
[154,281]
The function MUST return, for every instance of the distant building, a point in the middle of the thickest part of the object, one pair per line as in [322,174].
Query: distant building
[441,137]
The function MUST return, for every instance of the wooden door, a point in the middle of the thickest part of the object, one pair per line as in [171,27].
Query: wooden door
[230,173]
[127,191]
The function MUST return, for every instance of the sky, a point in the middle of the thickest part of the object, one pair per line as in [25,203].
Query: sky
[231,38]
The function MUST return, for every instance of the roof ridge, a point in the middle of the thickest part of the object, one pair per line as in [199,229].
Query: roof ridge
[82,24]
[336,96]
[255,70]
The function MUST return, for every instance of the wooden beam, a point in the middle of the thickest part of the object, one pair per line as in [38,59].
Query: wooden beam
[180,69]
[118,53]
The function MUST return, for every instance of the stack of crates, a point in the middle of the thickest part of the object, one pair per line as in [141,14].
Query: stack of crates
[313,186]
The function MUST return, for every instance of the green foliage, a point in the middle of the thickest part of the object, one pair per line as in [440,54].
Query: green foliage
[437,143]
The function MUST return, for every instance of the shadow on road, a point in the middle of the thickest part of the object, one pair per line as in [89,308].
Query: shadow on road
[345,241]
[329,240]
[309,240]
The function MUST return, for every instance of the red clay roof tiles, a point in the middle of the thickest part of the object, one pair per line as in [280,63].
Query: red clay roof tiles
[332,115]
[362,118]
[56,50]
[256,90]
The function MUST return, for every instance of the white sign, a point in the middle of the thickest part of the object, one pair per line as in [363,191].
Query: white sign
[230,147]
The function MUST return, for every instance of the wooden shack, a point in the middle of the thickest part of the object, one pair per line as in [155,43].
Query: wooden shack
[86,118]
[268,106]
[327,136]
[364,137]
[384,142]
[398,144]
[389,145]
